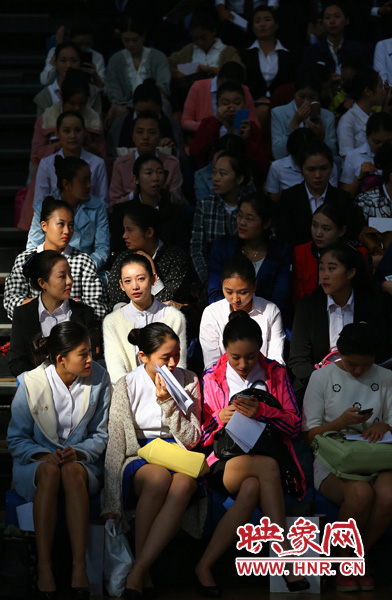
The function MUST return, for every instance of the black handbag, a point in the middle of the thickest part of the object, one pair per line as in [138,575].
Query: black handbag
[270,443]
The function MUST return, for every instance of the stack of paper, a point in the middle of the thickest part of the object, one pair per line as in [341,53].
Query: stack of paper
[387,439]
[244,431]
[189,68]
[175,390]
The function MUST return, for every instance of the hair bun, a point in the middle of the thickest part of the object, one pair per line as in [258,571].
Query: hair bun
[26,268]
[239,314]
[134,337]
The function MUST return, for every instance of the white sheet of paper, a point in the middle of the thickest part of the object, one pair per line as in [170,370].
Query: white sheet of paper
[176,391]
[387,439]
[239,21]
[244,431]
[380,224]
[189,68]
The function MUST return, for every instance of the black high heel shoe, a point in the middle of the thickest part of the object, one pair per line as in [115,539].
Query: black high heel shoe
[80,593]
[44,595]
[297,586]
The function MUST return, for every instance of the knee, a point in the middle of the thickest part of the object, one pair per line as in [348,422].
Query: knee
[268,468]
[158,481]
[384,499]
[48,475]
[360,496]
[183,486]
[73,474]
[249,493]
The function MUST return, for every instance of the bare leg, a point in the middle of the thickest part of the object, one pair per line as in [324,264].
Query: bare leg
[163,528]
[74,480]
[226,531]
[47,477]
[381,513]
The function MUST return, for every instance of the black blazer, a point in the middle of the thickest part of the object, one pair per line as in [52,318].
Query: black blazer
[26,326]
[294,216]
[310,334]
[254,77]
[319,53]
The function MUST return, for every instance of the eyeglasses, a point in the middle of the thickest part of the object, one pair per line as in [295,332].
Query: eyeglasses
[242,217]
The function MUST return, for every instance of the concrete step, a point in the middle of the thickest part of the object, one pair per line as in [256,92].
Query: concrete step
[27,23]
[23,60]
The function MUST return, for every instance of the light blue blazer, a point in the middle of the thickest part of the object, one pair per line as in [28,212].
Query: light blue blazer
[281,117]
[33,427]
[91,233]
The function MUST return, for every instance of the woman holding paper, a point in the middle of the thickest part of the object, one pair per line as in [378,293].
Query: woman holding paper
[254,480]
[138,276]
[353,395]
[141,410]
[57,437]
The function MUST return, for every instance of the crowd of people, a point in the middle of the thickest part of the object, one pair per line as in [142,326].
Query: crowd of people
[216,210]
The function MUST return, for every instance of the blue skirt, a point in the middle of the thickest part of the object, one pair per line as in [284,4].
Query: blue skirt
[131,469]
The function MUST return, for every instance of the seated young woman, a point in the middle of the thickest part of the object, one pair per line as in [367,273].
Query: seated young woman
[49,273]
[142,410]
[270,258]
[216,215]
[91,227]
[329,226]
[287,118]
[344,296]
[142,226]
[298,203]
[149,183]
[71,132]
[146,133]
[57,437]
[285,172]
[65,56]
[334,399]
[137,280]
[239,286]
[378,201]
[129,67]
[75,94]
[57,223]
[253,480]
[230,98]
[367,90]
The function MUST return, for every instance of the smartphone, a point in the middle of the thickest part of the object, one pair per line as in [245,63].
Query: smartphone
[86,57]
[315,112]
[242,114]
[366,411]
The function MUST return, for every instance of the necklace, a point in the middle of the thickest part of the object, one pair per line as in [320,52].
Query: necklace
[255,254]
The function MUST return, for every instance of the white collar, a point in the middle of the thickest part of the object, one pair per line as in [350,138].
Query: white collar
[291,164]
[321,197]
[331,304]
[64,308]
[67,250]
[278,46]
[217,45]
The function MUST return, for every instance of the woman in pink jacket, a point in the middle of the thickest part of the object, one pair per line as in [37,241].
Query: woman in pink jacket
[253,479]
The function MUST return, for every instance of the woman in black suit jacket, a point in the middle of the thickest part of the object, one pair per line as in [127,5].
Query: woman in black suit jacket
[260,79]
[345,288]
[50,274]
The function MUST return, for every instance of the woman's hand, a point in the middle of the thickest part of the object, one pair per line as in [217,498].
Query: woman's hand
[110,515]
[301,115]
[366,168]
[142,253]
[245,130]
[375,432]
[349,417]
[176,305]
[50,457]
[317,128]
[68,455]
[160,388]
[223,113]
[226,413]
[249,407]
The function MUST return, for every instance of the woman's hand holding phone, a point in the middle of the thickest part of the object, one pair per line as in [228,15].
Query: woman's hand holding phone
[249,407]
[226,413]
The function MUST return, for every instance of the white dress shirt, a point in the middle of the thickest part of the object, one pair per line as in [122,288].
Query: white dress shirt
[383,60]
[351,130]
[66,401]
[237,384]
[55,91]
[338,317]
[147,415]
[210,58]
[48,320]
[315,203]
[141,318]
[269,65]
[354,160]
[137,77]
[333,53]
[284,173]
[267,316]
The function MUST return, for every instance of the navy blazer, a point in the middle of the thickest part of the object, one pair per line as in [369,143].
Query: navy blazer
[254,77]
[273,277]
[319,53]
[26,326]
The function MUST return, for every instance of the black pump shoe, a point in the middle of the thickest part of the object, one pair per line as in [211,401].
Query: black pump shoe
[45,595]
[297,586]
[80,593]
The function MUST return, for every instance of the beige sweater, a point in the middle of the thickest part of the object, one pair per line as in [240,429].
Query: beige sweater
[120,355]
[123,445]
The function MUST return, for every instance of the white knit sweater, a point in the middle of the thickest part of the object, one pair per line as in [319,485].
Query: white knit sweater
[120,355]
